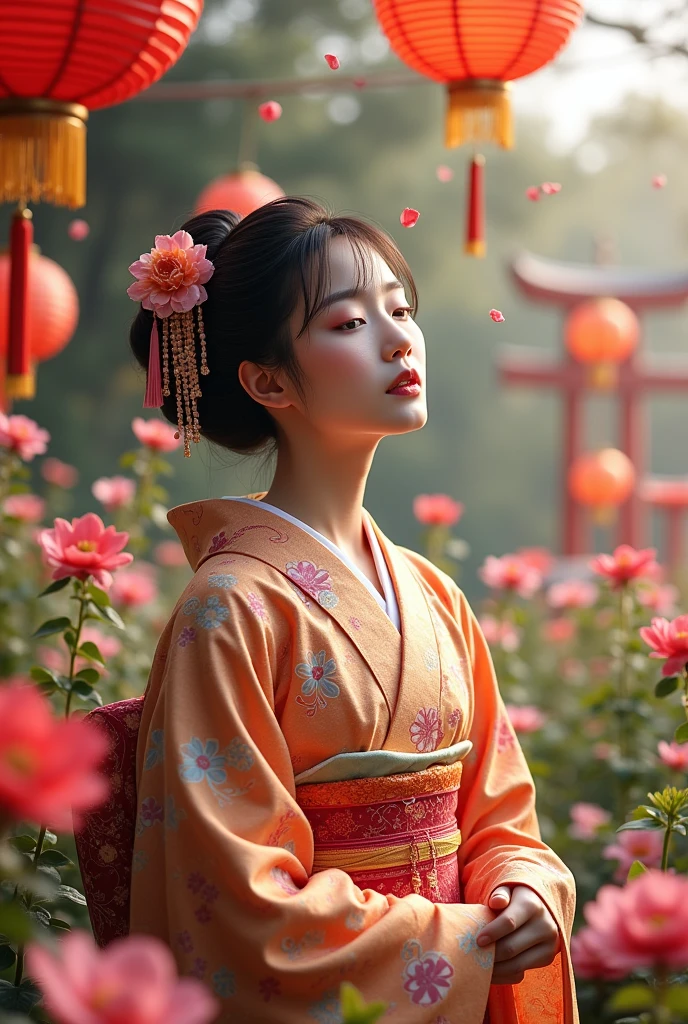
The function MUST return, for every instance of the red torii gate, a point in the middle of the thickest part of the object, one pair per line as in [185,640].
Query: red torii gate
[564,285]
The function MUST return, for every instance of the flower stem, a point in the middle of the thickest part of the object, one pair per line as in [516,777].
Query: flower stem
[32,870]
[83,601]
[665,848]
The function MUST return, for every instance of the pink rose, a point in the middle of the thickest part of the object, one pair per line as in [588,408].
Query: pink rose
[674,755]
[625,564]
[437,509]
[84,548]
[572,594]
[587,819]
[23,436]
[135,587]
[133,981]
[58,473]
[48,765]
[170,553]
[661,598]
[500,634]
[559,631]
[510,572]
[644,845]
[668,640]
[114,492]
[525,718]
[29,508]
[587,956]
[155,434]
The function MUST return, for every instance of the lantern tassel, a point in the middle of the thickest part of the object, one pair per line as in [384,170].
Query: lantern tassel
[20,377]
[43,152]
[475,211]
[479,111]
[153,397]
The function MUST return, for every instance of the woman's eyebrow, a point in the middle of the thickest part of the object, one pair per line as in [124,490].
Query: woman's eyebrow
[353,293]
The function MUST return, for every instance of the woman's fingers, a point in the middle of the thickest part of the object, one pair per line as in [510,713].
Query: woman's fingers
[511,972]
[527,937]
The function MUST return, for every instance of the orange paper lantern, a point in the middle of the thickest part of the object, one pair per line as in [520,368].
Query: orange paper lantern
[602,480]
[243,191]
[476,49]
[53,307]
[602,333]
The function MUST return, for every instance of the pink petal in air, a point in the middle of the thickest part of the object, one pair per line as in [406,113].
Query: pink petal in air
[409,217]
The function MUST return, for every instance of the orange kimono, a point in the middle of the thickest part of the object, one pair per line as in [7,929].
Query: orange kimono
[322,797]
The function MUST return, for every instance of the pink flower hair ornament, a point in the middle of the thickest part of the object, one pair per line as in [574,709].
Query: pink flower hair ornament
[170,281]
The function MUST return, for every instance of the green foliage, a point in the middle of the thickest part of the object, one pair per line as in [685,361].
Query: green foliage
[354,1008]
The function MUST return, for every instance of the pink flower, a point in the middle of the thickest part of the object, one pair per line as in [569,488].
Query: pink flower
[170,553]
[78,229]
[525,718]
[510,572]
[426,731]
[587,819]
[550,188]
[661,598]
[444,173]
[58,473]
[27,507]
[668,640]
[170,278]
[644,845]
[155,434]
[134,587]
[132,981]
[533,193]
[644,924]
[587,955]
[23,436]
[47,764]
[572,594]
[541,559]
[674,755]
[428,979]
[625,564]
[409,217]
[437,509]
[659,180]
[559,631]
[500,634]
[114,492]
[270,111]
[84,548]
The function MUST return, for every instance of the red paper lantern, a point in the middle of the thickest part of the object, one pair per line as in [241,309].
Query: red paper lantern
[602,333]
[53,307]
[243,192]
[60,59]
[475,49]
[602,480]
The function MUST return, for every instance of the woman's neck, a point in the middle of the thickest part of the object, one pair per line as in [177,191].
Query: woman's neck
[325,490]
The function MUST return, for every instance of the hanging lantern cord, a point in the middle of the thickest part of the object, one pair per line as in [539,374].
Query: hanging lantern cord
[248,135]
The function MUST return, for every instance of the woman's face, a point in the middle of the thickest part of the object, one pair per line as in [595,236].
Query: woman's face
[354,350]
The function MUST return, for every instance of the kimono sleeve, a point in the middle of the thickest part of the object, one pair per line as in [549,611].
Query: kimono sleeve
[501,842]
[223,855]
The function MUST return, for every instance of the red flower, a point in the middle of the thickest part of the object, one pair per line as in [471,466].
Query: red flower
[84,548]
[625,564]
[47,764]
[668,640]
[437,509]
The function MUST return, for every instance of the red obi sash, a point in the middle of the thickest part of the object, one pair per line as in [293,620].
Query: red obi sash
[397,834]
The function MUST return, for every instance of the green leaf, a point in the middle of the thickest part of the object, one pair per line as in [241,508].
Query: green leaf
[666,686]
[127,459]
[636,869]
[50,837]
[65,892]
[47,871]
[41,915]
[7,956]
[55,858]
[47,688]
[51,626]
[25,843]
[114,617]
[681,734]
[639,823]
[54,587]
[95,697]
[59,925]
[90,650]
[14,922]
[88,675]
[632,997]
[676,999]
[82,688]
[354,1008]
[98,596]
[42,675]
[22,998]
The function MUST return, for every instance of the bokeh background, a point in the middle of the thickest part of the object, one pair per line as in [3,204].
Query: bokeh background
[603,121]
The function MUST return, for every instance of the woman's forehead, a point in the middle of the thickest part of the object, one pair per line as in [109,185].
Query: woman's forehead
[355,266]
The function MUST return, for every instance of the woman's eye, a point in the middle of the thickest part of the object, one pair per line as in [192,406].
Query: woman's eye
[405,309]
[346,326]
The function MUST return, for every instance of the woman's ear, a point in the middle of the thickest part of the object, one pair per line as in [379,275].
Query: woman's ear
[264,386]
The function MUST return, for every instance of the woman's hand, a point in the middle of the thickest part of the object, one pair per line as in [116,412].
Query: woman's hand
[525,933]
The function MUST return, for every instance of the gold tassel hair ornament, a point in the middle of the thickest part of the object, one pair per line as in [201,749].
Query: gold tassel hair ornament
[169,281]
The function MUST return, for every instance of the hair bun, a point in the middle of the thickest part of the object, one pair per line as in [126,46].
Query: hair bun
[212,228]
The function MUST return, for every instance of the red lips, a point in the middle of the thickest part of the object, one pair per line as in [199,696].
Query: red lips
[405,377]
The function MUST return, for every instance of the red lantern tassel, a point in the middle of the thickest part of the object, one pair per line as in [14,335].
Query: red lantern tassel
[20,377]
[153,397]
[475,212]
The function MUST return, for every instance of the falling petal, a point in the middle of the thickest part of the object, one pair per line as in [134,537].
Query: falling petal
[533,193]
[497,316]
[550,188]
[360,83]
[408,217]
[270,111]
[332,61]
[78,230]
[444,173]
[659,180]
